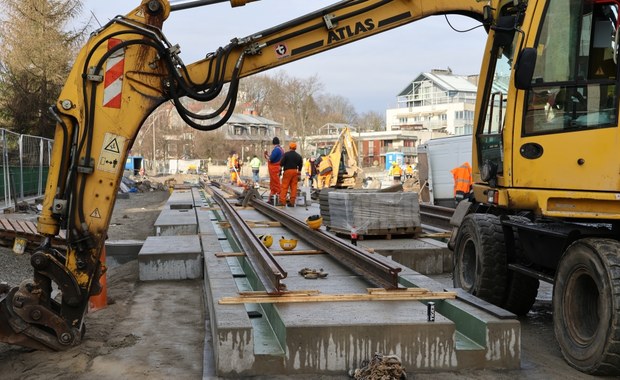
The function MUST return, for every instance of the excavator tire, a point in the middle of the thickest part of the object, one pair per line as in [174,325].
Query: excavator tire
[480,258]
[586,306]
[521,290]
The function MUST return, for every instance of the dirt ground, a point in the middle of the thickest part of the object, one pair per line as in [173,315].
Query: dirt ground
[131,337]
[156,330]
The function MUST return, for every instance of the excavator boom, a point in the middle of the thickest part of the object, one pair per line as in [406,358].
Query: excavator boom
[127,69]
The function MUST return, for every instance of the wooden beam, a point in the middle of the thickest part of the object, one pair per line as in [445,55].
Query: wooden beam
[298,252]
[275,253]
[409,294]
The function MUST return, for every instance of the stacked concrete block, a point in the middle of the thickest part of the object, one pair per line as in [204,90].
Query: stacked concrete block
[372,212]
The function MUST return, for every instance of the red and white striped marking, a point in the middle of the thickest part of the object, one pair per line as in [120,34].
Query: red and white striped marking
[113,81]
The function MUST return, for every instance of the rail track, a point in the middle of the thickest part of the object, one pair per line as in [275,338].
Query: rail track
[437,217]
[376,269]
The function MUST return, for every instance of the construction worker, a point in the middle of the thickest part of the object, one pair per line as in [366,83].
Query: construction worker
[395,171]
[255,165]
[409,171]
[306,171]
[462,182]
[313,171]
[273,165]
[235,168]
[325,170]
[291,163]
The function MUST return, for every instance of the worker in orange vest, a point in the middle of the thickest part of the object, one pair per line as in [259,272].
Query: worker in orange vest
[462,182]
[273,165]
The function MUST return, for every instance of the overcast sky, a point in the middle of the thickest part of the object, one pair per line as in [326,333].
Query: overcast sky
[369,73]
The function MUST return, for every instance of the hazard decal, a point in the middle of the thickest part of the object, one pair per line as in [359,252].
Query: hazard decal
[110,158]
[95,214]
[282,51]
[113,80]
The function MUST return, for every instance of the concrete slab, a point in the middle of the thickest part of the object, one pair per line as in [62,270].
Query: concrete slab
[170,258]
[426,256]
[176,222]
[120,252]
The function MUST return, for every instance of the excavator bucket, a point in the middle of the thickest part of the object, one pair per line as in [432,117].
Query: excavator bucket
[12,326]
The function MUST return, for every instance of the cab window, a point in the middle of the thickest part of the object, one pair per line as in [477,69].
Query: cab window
[574,83]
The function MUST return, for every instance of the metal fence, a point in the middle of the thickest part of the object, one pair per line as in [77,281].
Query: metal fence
[25,166]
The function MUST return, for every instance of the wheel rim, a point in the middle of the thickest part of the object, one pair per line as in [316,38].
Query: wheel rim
[468,265]
[583,305]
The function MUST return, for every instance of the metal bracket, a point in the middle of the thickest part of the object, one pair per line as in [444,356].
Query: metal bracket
[93,75]
[84,167]
[329,21]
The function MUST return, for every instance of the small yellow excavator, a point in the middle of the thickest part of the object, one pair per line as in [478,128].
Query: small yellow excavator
[344,159]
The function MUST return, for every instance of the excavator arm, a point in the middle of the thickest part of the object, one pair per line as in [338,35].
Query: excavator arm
[126,69]
[344,158]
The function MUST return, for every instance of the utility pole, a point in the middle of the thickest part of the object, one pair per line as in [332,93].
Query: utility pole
[154,163]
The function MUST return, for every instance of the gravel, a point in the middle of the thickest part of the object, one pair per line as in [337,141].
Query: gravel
[14,268]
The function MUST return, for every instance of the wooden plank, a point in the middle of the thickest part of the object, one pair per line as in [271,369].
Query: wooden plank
[397,295]
[298,252]
[275,253]
[229,254]
[6,225]
[27,227]
[437,235]
[16,226]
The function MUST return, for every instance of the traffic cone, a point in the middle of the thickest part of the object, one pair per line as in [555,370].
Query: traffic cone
[100,301]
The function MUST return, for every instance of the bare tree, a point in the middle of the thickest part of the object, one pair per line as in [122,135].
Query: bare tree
[35,60]
[371,121]
[336,109]
[300,101]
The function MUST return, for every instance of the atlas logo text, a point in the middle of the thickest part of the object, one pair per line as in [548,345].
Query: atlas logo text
[349,31]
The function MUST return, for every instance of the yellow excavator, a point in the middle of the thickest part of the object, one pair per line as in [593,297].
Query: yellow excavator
[545,155]
[344,159]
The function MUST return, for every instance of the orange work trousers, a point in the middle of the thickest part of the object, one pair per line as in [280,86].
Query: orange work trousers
[274,179]
[289,181]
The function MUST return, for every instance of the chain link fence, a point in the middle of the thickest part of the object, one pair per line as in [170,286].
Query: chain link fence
[25,166]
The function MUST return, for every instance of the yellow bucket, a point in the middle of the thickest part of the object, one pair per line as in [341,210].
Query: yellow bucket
[19,245]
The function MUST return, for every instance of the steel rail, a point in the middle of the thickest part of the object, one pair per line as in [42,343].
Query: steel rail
[267,269]
[436,216]
[375,268]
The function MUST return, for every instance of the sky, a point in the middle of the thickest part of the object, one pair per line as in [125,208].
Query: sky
[369,73]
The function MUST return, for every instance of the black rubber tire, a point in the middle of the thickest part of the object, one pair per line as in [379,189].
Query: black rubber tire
[480,258]
[521,290]
[586,306]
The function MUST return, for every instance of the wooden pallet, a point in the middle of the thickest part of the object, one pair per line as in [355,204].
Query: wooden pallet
[386,234]
[15,228]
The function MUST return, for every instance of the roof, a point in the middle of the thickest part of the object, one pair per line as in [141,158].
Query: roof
[447,82]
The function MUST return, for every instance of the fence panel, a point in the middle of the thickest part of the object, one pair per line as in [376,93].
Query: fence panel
[25,166]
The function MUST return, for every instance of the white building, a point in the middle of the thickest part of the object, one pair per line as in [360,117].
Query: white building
[438,101]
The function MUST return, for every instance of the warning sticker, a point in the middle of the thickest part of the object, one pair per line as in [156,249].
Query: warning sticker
[282,51]
[95,214]
[110,158]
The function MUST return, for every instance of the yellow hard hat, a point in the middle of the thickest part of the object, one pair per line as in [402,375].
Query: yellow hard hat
[267,240]
[314,221]
[288,244]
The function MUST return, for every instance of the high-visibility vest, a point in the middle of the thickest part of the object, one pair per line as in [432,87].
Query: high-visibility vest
[325,166]
[462,178]
[395,170]
[409,169]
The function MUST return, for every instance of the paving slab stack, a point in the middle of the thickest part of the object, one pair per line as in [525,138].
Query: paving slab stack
[312,338]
